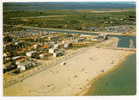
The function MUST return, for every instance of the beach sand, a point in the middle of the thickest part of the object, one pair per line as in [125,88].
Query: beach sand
[72,78]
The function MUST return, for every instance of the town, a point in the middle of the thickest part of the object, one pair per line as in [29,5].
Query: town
[24,51]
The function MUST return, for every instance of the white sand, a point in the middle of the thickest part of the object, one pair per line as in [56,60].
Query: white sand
[69,79]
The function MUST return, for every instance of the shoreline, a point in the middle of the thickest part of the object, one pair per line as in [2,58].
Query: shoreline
[74,78]
[86,91]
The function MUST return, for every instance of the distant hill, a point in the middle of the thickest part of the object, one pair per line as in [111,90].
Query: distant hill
[41,6]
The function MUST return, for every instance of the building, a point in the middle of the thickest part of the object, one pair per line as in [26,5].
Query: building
[20,60]
[29,54]
[16,57]
[44,55]
[35,46]
[56,46]
[58,53]
[5,57]
[67,45]
[46,46]
[41,55]
[26,65]
[21,68]
[103,36]
[9,66]
[52,50]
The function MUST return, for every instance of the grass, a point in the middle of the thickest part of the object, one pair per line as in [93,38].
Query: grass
[67,19]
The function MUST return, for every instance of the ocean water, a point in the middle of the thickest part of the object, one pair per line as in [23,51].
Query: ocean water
[124,41]
[122,81]
[42,6]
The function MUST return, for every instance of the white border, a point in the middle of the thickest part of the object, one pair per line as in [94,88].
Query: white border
[1,49]
[67,97]
[60,0]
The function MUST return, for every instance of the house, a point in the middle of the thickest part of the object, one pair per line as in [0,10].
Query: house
[94,39]
[16,43]
[26,65]
[58,53]
[20,60]
[16,57]
[44,55]
[41,55]
[21,68]
[52,50]
[67,45]
[35,46]
[45,46]
[29,54]
[9,66]
[5,59]
[56,46]
[5,56]
[103,36]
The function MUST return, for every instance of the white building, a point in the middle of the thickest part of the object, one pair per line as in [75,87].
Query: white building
[26,65]
[21,67]
[16,57]
[35,46]
[56,46]
[16,43]
[5,55]
[67,45]
[58,53]
[29,54]
[41,55]
[52,50]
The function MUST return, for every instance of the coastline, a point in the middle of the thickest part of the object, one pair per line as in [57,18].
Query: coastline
[72,78]
[85,92]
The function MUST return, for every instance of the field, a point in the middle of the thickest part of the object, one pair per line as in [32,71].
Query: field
[69,19]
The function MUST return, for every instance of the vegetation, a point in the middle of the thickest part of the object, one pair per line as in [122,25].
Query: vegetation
[68,19]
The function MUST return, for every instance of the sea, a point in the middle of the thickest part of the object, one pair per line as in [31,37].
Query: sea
[122,81]
[44,6]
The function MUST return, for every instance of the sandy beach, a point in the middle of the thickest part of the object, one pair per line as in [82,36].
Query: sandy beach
[72,78]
